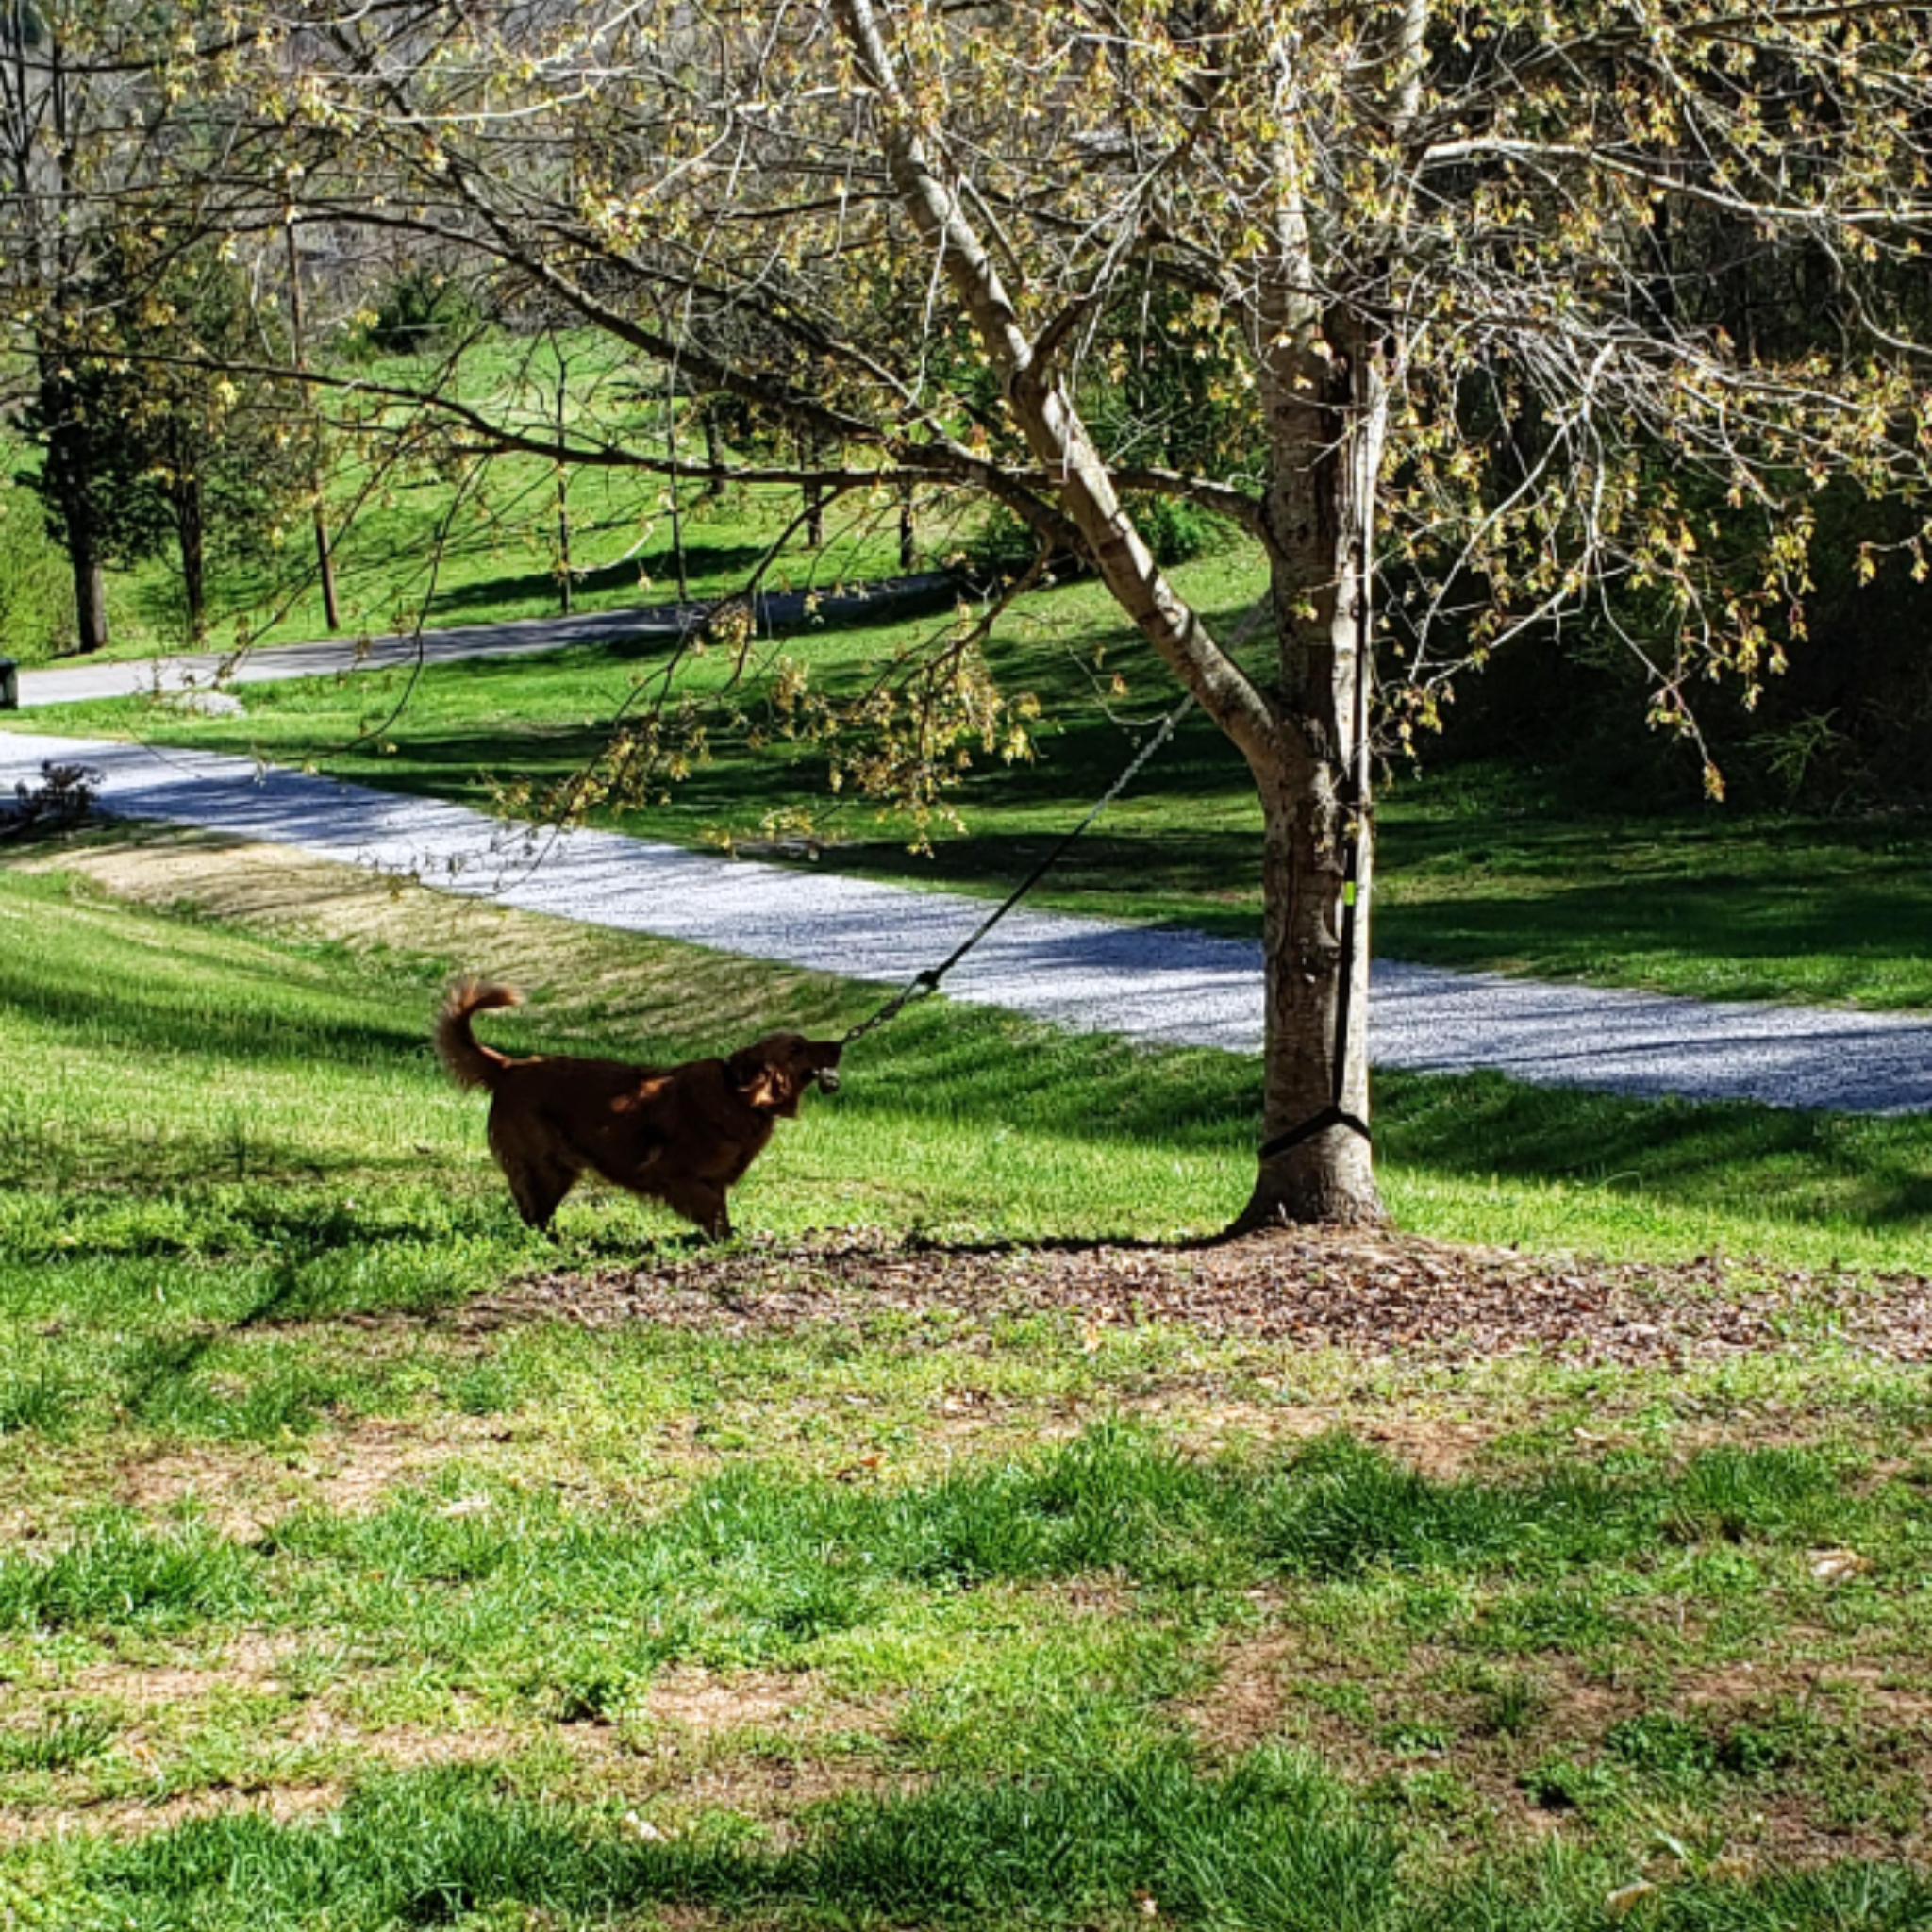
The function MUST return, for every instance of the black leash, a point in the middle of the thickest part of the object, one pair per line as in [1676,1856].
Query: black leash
[928,981]
[1334,1114]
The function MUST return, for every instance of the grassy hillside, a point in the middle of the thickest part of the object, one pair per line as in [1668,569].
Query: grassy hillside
[419,535]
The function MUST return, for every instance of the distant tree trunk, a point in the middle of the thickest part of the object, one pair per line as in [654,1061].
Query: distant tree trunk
[908,551]
[677,504]
[563,563]
[67,479]
[814,499]
[714,459]
[90,585]
[324,555]
[185,499]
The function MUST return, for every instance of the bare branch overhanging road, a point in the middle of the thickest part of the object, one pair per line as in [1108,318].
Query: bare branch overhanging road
[1155,986]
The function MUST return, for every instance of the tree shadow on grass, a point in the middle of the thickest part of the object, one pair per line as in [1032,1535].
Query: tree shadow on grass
[1872,1170]
[125,1014]
[1843,940]
[655,566]
[1271,1840]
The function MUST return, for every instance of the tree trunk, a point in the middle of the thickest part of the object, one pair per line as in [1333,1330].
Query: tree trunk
[713,456]
[678,555]
[66,478]
[814,497]
[1330,1175]
[325,556]
[90,575]
[909,542]
[1328,416]
[91,602]
[186,500]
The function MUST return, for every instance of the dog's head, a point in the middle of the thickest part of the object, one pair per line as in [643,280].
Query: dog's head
[772,1074]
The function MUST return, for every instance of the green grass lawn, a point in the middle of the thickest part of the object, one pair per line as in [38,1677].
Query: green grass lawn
[321,1605]
[1478,867]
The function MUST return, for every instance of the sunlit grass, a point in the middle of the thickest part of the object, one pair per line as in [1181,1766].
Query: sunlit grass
[188,1055]
[324,1604]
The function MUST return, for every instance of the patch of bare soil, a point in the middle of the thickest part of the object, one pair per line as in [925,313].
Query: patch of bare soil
[696,1701]
[253,1661]
[1380,1294]
[136,1817]
[244,1489]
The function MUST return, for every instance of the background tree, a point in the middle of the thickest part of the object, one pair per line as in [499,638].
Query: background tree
[228,449]
[98,142]
[1462,274]
[160,424]
[93,478]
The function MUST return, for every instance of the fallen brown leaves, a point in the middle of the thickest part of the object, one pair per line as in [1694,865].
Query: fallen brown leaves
[1379,1293]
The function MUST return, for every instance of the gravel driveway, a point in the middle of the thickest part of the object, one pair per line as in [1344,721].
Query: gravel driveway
[1167,987]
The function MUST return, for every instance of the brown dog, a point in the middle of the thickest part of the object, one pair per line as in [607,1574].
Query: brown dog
[682,1135]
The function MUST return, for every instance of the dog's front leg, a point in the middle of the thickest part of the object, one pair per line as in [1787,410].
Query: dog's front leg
[700,1202]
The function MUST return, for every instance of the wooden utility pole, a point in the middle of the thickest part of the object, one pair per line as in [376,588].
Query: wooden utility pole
[324,558]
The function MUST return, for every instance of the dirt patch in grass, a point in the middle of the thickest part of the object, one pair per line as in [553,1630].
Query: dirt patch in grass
[244,1491]
[1440,1449]
[776,1790]
[125,1818]
[1384,1295]
[253,1662]
[695,1700]
[1244,1703]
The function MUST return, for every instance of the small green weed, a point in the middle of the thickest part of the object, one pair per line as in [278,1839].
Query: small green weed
[40,1399]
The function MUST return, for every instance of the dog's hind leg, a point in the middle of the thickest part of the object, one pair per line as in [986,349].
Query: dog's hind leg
[540,1172]
[539,1188]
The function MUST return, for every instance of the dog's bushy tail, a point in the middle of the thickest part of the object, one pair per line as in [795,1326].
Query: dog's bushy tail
[470,1062]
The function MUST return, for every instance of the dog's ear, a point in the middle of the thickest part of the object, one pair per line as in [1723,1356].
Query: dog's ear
[754,1078]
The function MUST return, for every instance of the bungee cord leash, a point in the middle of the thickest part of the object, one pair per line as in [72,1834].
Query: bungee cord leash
[928,981]
[1335,1114]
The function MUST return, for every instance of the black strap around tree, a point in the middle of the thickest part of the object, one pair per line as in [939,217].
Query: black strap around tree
[1335,1114]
